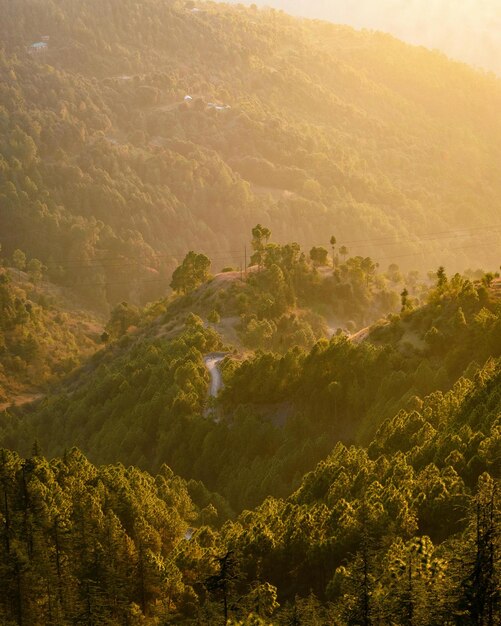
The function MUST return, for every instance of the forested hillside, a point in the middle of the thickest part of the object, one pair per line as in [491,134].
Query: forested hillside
[404,532]
[43,336]
[109,173]
[143,400]
[250,322]
[92,545]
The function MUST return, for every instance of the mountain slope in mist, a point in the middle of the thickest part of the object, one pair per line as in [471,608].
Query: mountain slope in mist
[468,30]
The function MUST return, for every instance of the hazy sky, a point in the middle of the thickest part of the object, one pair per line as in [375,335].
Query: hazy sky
[469,30]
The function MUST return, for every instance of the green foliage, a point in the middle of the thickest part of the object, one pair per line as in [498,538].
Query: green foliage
[151,386]
[41,339]
[397,530]
[107,176]
[193,271]
[400,531]
[286,301]
[122,317]
[19,259]
[145,401]
[97,545]
[214,317]
[318,255]
[424,349]
[35,270]
[282,301]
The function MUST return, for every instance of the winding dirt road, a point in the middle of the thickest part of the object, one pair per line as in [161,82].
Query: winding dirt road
[216,380]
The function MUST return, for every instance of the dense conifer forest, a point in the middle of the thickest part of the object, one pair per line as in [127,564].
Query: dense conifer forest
[250,322]
[405,531]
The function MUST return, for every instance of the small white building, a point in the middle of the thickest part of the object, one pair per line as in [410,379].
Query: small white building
[38,47]
[188,98]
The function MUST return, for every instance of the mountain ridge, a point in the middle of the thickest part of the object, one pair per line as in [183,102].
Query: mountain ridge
[466,31]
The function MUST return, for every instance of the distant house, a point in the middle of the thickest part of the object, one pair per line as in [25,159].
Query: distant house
[38,47]
[188,98]
[218,107]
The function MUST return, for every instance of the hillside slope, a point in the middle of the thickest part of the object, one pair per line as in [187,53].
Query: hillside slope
[401,526]
[405,527]
[43,336]
[144,399]
[466,30]
[109,174]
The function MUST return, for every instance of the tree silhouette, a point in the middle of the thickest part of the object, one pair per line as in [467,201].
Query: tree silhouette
[343,251]
[222,582]
[333,242]
[193,271]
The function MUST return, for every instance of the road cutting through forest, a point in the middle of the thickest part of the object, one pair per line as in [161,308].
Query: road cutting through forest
[216,380]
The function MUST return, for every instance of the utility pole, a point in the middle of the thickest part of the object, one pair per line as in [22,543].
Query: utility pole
[245,257]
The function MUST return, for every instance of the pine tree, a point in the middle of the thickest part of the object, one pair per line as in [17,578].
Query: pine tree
[479,590]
